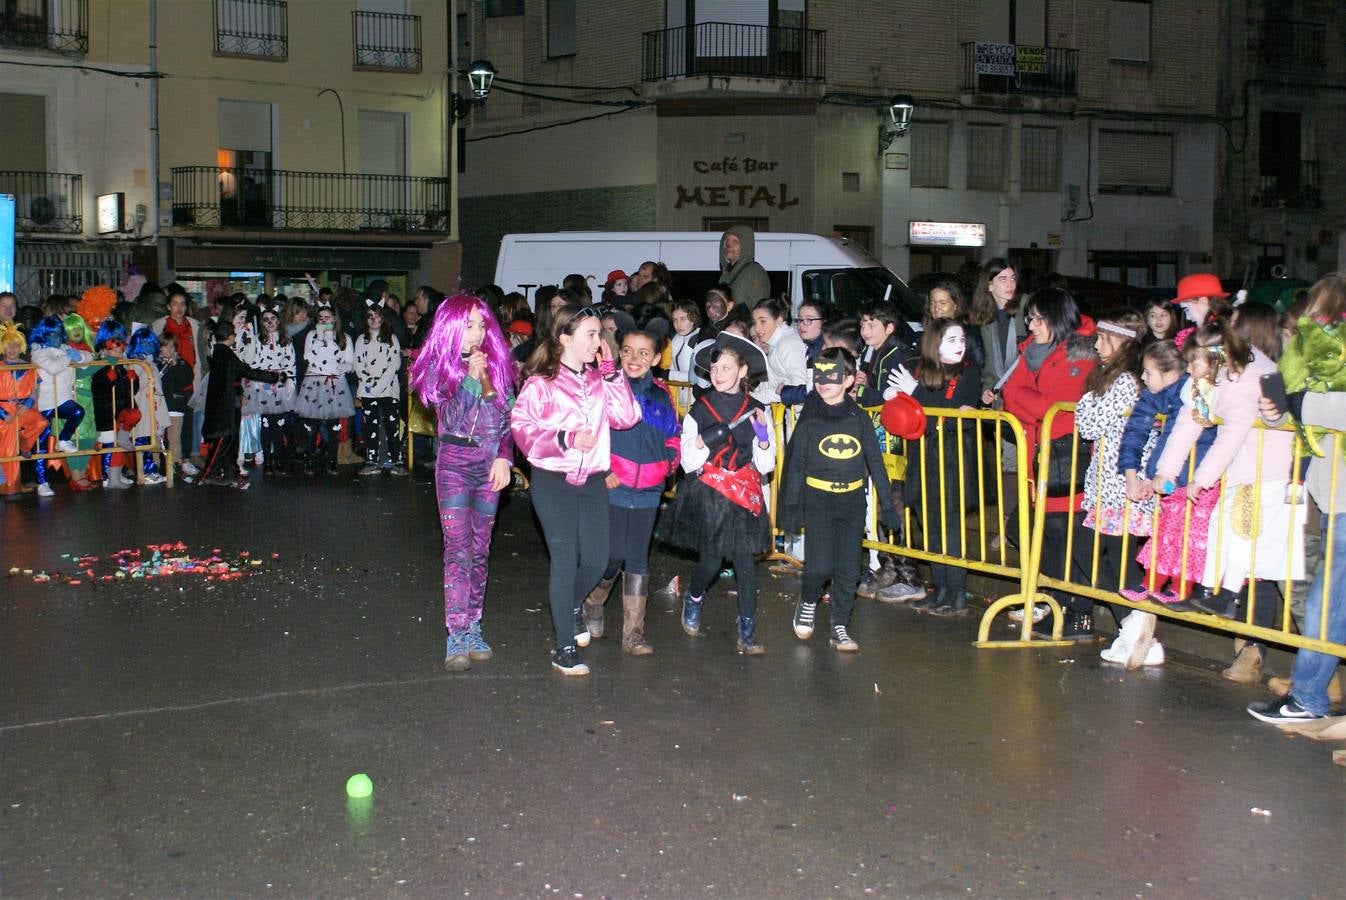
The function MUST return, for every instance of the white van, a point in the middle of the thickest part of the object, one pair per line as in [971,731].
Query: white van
[804,266]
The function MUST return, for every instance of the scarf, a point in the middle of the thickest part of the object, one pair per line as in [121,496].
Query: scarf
[182,336]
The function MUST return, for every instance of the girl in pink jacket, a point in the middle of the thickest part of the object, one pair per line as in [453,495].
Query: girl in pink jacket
[561,423]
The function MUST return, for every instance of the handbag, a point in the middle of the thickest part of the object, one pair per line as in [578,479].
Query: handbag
[1060,460]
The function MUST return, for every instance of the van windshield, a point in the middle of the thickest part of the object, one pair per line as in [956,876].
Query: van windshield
[849,289]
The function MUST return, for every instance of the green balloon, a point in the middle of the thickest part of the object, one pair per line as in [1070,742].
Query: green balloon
[359,785]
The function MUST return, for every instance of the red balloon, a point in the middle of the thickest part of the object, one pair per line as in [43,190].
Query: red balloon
[903,416]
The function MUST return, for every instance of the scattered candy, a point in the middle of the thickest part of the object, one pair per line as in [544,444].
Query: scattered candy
[155,561]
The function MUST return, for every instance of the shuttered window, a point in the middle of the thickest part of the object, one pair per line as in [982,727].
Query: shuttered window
[1040,169]
[1129,30]
[930,154]
[985,158]
[1135,162]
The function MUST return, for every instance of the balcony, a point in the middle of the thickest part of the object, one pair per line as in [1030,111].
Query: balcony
[48,202]
[242,198]
[386,42]
[257,29]
[61,25]
[1296,189]
[1287,44]
[725,49]
[1019,69]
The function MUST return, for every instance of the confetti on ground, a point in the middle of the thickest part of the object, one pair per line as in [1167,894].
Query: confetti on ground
[154,561]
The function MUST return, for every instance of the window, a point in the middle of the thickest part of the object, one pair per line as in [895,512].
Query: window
[985,158]
[23,141]
[1134,268]
[1129,30]
[930,154]
[1040,170]
[1135,162]
[850,182]
[560,28]
[244,162]
[503,8]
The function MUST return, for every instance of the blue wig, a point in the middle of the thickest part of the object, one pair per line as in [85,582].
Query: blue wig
[48,332]
[144,344]
[110,330]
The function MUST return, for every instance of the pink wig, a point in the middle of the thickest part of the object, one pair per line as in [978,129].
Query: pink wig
[439,368]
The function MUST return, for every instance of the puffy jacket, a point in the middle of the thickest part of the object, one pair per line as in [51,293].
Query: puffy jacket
[1060,379]
[56,383]
[644,455]
[549,411]
[1150,406]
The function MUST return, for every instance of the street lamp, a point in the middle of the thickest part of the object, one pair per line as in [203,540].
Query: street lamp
[480,76]
[899,119]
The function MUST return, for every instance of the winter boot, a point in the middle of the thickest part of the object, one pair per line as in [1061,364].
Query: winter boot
[1247,665]
[455,654]
[593,607]
[747,637]
[691,614]
[880,578]
[634,590]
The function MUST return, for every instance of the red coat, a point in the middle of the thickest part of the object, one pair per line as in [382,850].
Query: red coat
[1060,379]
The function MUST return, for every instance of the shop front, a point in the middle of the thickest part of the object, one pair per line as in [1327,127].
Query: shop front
[213,272]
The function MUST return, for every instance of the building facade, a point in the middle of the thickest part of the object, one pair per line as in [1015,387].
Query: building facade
[1088,137]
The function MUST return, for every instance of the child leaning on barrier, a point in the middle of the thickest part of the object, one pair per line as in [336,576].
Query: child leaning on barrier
[942,377]
[56,360]
[831,456]
[1164,374]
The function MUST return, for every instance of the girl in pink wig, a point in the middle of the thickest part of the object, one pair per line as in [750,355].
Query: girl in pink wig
[465,373]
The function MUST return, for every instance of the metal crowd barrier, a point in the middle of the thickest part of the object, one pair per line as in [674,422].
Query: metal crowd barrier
[138,452]
[1250,511]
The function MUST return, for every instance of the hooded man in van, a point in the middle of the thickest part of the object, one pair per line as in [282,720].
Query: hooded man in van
[739,267]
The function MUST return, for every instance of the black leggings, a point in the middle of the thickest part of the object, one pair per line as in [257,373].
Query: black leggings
[708,567]
[574,522]
[275,443]
[834,525]
[629,534]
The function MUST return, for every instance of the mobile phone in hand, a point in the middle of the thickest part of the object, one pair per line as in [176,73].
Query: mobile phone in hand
[1273,388]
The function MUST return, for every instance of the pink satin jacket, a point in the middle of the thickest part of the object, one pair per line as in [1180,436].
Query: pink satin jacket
[549,411]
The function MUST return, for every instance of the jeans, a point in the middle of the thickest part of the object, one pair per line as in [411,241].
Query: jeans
[629,532]
[1313,670]
[575,525]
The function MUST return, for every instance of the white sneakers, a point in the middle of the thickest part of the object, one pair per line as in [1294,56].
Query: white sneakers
[44,490]
[1155,656]
[66,446]
[189,469]
[1040,611]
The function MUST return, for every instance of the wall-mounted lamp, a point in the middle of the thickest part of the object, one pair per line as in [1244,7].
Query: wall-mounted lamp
[480,76]
[899,119]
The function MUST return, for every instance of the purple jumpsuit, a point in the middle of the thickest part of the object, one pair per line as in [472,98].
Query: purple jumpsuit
[473,433]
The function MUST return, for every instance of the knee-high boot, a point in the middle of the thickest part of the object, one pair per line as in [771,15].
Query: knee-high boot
[593,607]
[634,591]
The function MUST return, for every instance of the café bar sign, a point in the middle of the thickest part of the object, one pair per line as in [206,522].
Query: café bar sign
[947,234]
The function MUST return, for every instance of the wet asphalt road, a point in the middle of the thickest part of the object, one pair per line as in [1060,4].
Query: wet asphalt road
[186,737]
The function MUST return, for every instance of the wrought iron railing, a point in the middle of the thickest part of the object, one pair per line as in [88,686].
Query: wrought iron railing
[245,198]
[723,48]
[1019,69]
[45,24]
[47,202]
[1297,189]
[389,41]
[1287,44]
[259,28]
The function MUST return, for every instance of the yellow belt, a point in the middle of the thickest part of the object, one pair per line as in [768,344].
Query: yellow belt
[834,487]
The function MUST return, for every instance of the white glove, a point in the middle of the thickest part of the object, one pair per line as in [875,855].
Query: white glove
[900,379]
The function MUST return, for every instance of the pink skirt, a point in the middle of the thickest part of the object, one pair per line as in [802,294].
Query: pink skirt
[1165,548]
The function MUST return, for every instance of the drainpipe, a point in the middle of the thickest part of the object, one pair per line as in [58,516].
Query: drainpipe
[1013,196]
[154,133]
[449,101]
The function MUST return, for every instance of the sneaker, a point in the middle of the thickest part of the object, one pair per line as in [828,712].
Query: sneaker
[189,469]
[66,446]
[950,609]
[1040,611]
[566,660]
[841,640]
[581,630]
[929,601]
[44,490]
[396,470]
[804,613]
[370,469]
[240,484]
[1281,711]
[691,614]
[747,643]
[477,648]
[455,654]
[155,478]
[900,592]
[1076,627]
[1118,654]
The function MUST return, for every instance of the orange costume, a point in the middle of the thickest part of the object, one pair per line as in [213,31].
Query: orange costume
[20,424]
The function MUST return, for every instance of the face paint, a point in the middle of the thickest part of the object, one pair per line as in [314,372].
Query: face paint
[952,346]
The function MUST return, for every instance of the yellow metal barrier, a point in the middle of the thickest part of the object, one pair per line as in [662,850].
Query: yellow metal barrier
[1238,507]
[154,446]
